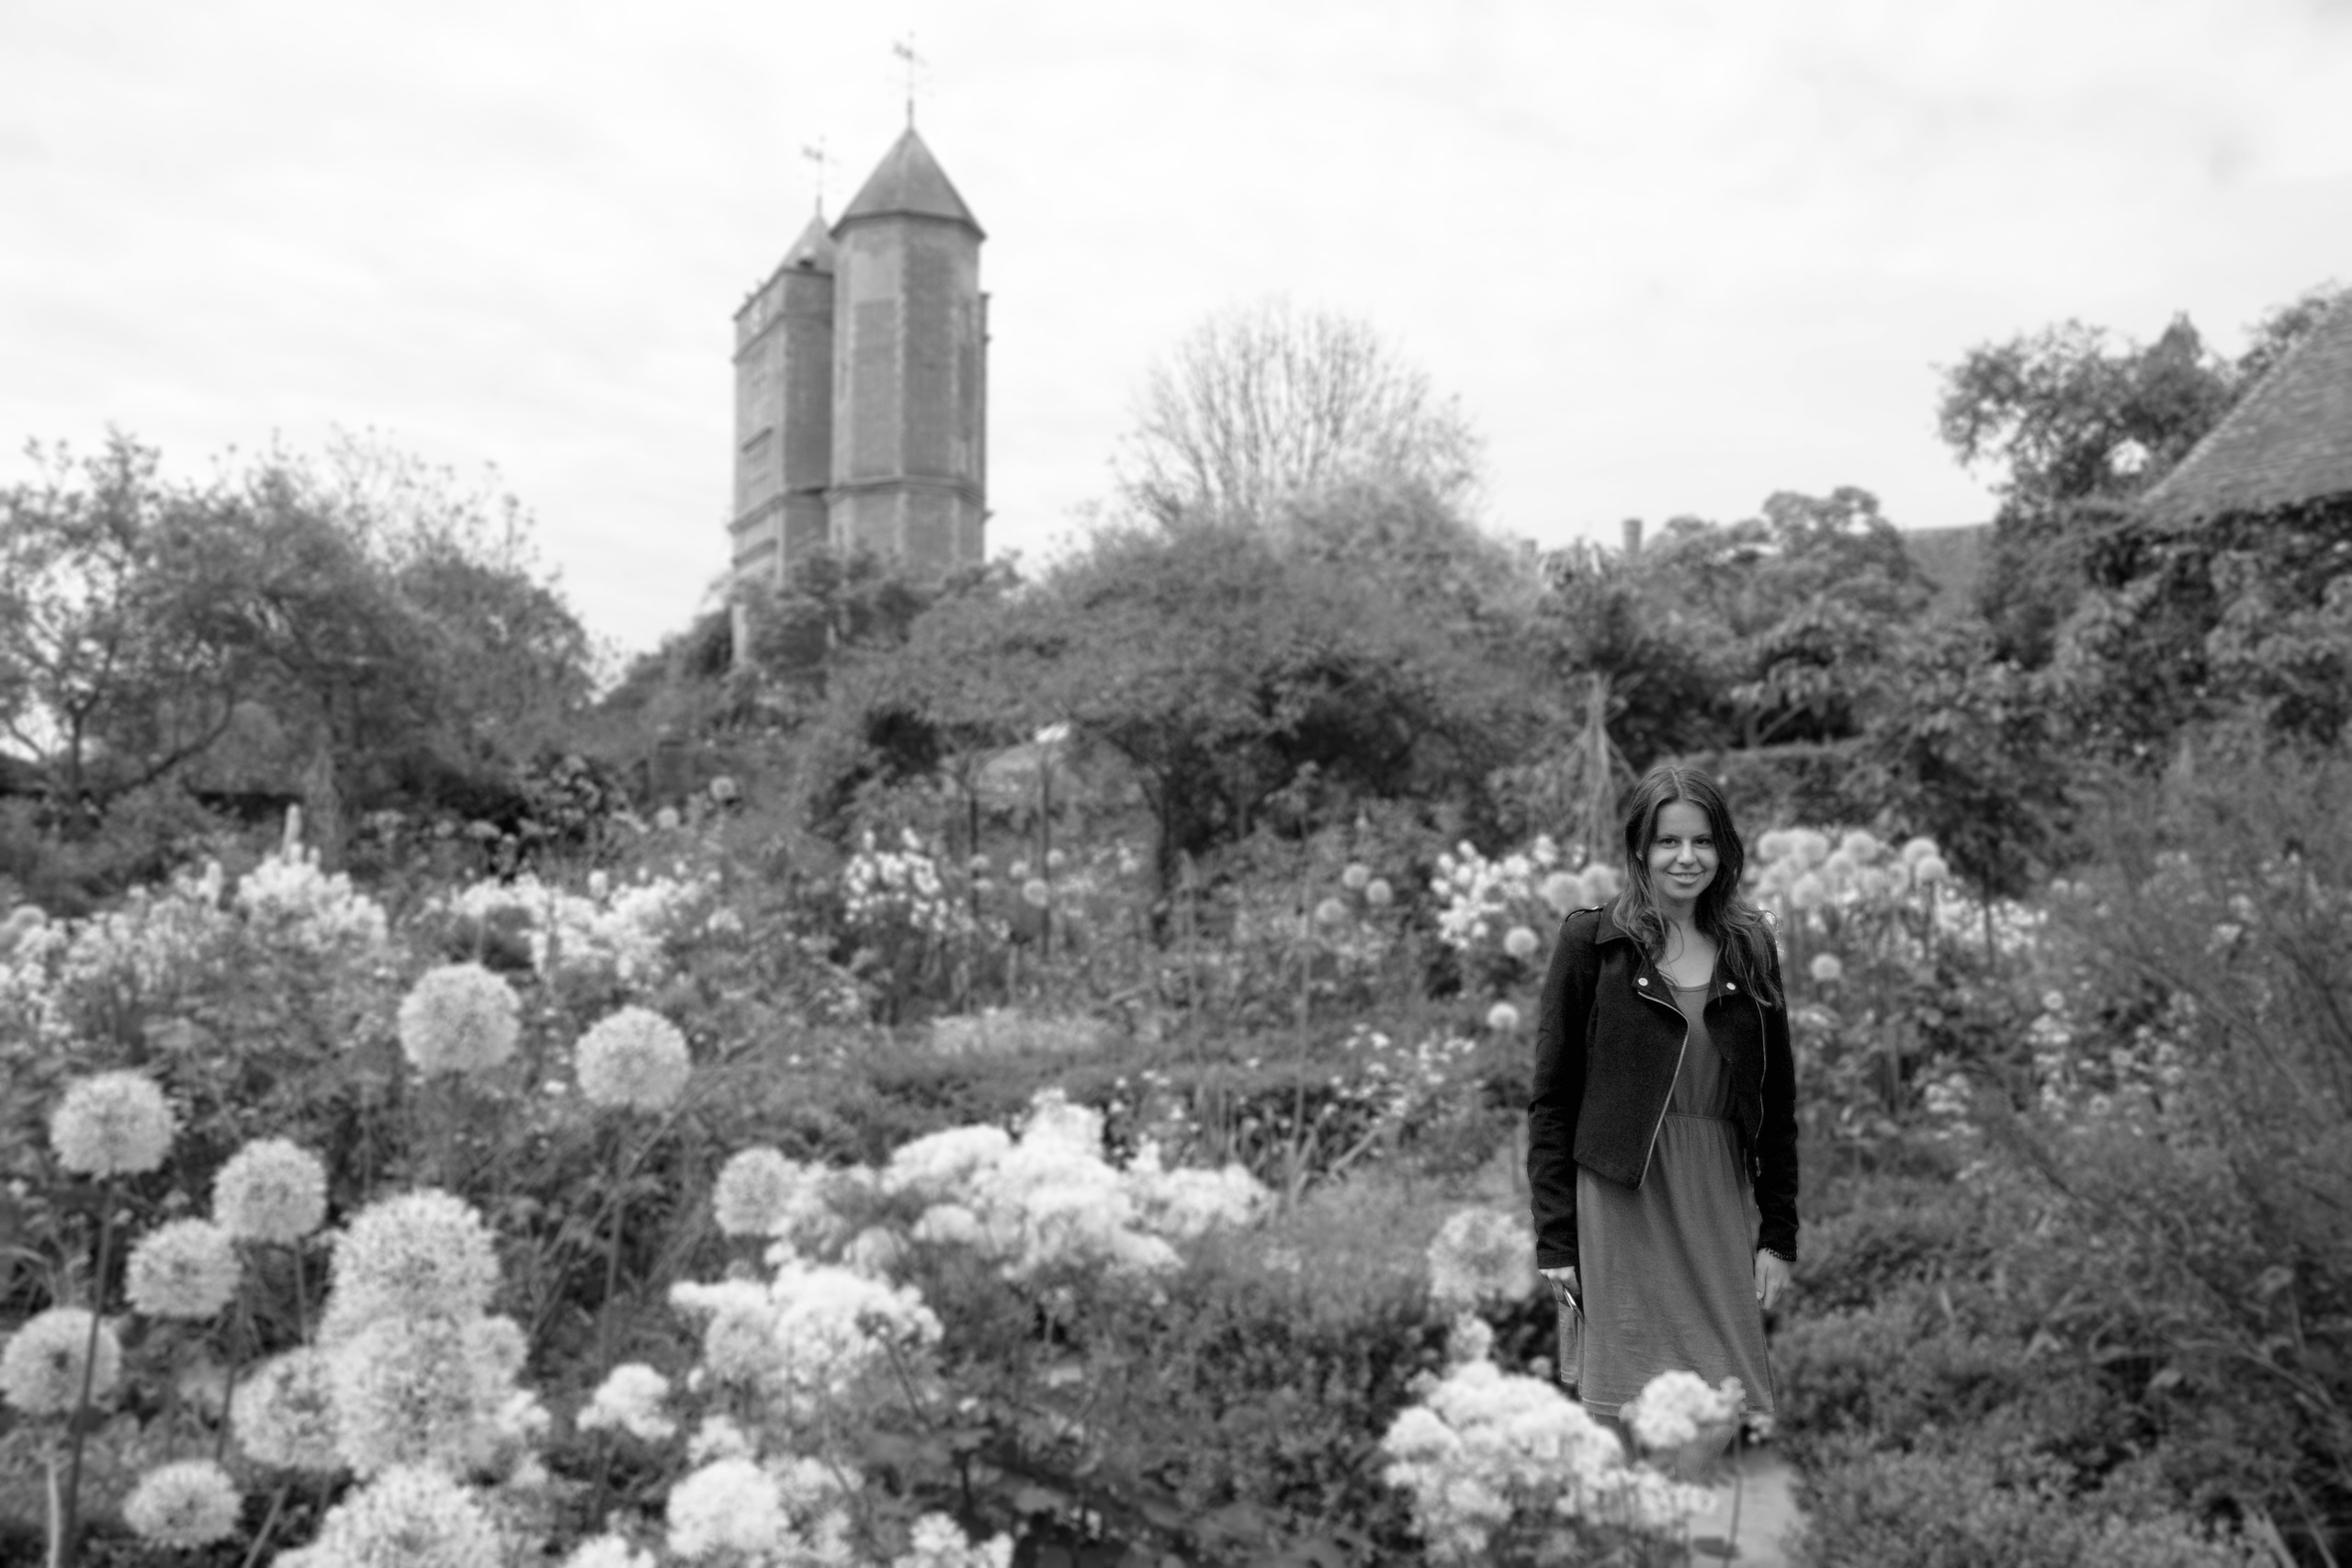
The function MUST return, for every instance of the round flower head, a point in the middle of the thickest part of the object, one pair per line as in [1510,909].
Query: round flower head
[183,1268]
[1522,942]
[409,1517]
[1563,890]
[1378,893]
[459,1018]
[1827,968]
[1036,892]
[607,1551]
[630,1398]
[1673,1407]
[182,1506]
[1355,876]
[729,1506]
[111,1124]
[634,1058]
[1929,870]
[1478,1255]
[284,1412]
[1503,1019]
[40,1371]
[270,1191]
[1331,912]
[422,1390]
[421,1254]
[756,1191]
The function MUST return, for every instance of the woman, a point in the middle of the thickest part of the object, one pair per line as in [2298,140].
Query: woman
[1662,1136]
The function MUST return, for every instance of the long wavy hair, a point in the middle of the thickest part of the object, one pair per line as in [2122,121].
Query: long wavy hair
[1739,928]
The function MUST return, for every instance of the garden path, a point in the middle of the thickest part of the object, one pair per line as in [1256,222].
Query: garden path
[1767,1512]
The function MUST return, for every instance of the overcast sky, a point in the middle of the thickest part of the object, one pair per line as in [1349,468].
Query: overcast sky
[1671,257]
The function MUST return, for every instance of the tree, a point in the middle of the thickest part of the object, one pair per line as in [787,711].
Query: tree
[1263,404]
[363,646]
[2073,418]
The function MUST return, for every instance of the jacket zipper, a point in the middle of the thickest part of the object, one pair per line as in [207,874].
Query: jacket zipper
[1679,1051]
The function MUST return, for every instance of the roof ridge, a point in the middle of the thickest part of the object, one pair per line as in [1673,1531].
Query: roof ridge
[2288,437]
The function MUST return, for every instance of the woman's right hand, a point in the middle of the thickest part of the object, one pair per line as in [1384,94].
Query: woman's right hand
[1563,1284]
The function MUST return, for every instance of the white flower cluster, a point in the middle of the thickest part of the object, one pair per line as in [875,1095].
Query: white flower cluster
[625,931]
[809,1340]
[297,905]
[153,944]
[882,886]
[1050,1197]
[1510,903]
[1481,1254]
[1484,1451]
[1676,1408]
[1803,869]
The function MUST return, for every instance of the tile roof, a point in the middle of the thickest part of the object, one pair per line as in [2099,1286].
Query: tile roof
[2288,440]
[813,252]
[908,181]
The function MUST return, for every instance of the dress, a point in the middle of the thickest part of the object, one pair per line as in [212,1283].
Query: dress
[1668,1269]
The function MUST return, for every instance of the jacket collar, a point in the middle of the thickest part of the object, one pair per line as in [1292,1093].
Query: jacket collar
[1609,930]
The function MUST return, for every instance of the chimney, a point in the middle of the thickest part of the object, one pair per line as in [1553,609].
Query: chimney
[1632,536]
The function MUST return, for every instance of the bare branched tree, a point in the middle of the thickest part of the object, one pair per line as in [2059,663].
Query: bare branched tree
[1264,404]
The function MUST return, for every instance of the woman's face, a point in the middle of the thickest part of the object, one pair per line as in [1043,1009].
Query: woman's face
[1682,856]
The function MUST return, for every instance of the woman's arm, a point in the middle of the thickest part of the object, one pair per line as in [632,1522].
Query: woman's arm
[1776,1144]
[1557,1092]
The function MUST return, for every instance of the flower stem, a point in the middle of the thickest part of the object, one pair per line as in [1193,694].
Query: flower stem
[66,1511]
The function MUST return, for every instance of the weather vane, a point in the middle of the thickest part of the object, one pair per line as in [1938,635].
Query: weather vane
[905,50]
[815,152]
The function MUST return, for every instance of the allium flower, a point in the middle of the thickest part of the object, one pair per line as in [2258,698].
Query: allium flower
[1827,968]
[1602,883]
[1930,871]
[423,1254]
[729,1506]
[874,1251]
[1331,912]
[1378,893]
[284,1412]
[1036,892]
[608,1551]
[1480,1254]
[1503,1019]
[1188,1202]
[1055,1118]
[1563,890]
[667,819]
[112,1125]
[424,1391]
[756,1192]
[184,1268]
[1356,876]
[1809,892]
[40,1371]
[270,1191]
[1673,1407]
[459,1018]
[408,1517]
[1522,942]
[630,1398]
[181,1506]
[634,1058]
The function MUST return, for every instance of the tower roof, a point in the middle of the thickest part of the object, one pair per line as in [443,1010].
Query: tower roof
[813,252]
[2288,440]
[909,182]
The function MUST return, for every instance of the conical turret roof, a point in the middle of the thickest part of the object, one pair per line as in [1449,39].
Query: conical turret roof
[909,182]
[813,252]
[2288,439]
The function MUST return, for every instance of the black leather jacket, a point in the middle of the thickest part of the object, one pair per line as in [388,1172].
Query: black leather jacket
[1608,1044]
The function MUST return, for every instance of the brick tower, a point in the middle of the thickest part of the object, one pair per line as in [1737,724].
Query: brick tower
[910,410]
[784,413]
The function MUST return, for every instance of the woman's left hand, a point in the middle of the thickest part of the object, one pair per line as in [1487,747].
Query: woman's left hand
[1771,1277]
